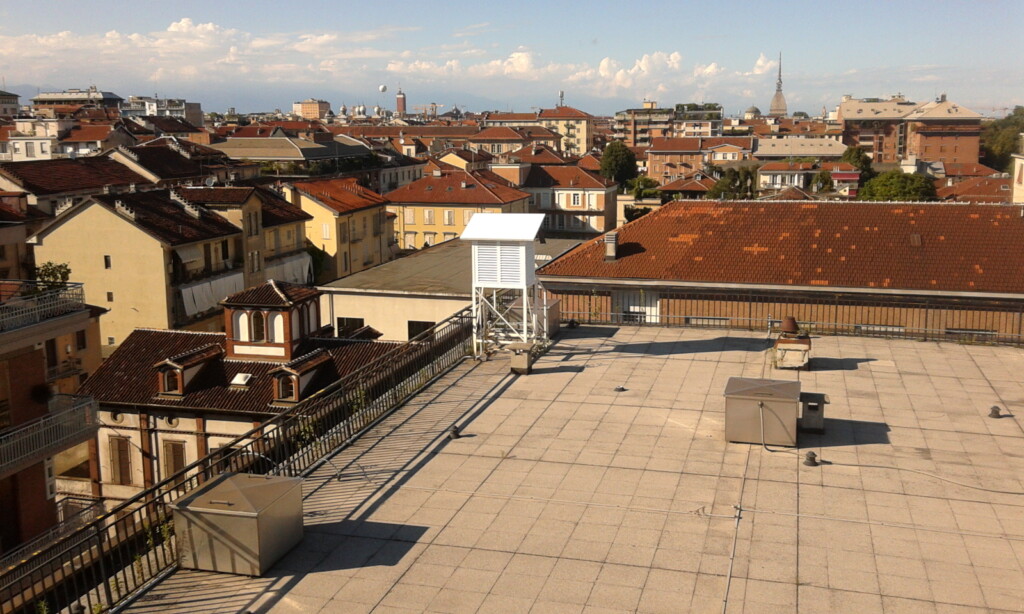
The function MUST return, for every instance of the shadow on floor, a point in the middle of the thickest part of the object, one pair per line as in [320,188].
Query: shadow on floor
[587,331]
[697,346]
[842,432]
[560,369]
[837,364]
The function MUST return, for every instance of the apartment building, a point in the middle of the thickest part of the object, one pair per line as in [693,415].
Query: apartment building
[640,127]
[438,206]
[311,108]
[138,106]
[574,201]
[9,106]
[348,222]
[49,343]
[168,397]
[575,126]
[669,159]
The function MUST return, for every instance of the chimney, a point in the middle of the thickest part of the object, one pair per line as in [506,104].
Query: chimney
[611,246]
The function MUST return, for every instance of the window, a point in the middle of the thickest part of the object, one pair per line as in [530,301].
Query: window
[111,341]
[409,240]
[174,457]
[409,215]
[325,232]
[575,200]
[466,216]
[428,217]
[120,461]
[51,478]
[224,254]
[30,150]
[429,238]
[171,381]
[449,217]
[346,326]
[80,340]
[259,326]
[110,297]
[448,236]
[106,262]
[416,328]
[344,261]
[286,388]
[5,413]
[3,252]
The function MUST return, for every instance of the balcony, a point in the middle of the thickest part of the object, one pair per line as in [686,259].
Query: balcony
[72,420]
[65,368]
[24,303]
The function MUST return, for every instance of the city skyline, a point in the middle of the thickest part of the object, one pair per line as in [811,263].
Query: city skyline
[605,58]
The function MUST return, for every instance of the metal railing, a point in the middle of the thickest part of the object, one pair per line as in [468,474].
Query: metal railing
[73,512]
[24,302]
[72,419]
[66,367]
[641,318]
[103,562]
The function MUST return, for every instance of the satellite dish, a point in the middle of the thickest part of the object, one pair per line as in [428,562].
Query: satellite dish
[209,181]
[383,89]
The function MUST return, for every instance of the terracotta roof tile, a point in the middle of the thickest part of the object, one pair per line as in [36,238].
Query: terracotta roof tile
[962,248]
[272,293]
[565,177]
[458,187]
[564,113]
[515,133]
[277,210]
[540,153]
[165,162]
[66,175]
[342,195]
[88,133]
[157,213]
[215,195]
[787,166]
[978,190]
[125,378]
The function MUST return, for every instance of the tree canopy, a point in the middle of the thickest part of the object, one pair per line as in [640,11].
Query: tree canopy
[1001,138]
[897,185]
[642,187]
[736,184]
[618,162]
[856,156]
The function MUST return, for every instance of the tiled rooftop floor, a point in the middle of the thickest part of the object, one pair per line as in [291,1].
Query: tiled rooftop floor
[566,496]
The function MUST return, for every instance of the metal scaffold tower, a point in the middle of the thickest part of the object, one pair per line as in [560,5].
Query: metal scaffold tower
[509,306]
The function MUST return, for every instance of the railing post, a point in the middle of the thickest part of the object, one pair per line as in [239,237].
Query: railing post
[101,555]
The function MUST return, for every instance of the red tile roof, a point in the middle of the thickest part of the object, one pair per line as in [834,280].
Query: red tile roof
[272,294]
[516,133]
[839,167]
[126,377]
[966,169]
[696,144]
[978,190]
[214,195]
[540,153]
[591,162]
[277,210]
[467,155]
[906,246]
[342,195]
[787,166]
[42,177]
[791,193]
[458,187]
[167,220]
[88,133]
[165,162]
[689,184]
[511,117]
[564,113]
[565,177]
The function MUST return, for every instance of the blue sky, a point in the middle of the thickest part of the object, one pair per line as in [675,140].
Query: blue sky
[605,55]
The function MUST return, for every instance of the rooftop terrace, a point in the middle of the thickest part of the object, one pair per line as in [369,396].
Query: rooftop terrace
[565,495]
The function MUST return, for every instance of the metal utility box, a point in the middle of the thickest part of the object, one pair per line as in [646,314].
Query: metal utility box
[812,415]
[238,523]
[744,399]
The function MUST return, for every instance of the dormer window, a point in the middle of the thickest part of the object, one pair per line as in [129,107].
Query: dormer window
[170,381]
[286,388]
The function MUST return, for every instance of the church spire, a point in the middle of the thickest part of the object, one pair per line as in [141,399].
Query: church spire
[778,83]
[778,105]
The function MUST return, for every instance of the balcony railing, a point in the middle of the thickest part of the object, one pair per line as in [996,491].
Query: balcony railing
[72,420]
[65,368]
[24,303]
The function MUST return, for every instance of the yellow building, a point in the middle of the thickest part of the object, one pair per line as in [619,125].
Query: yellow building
[438,206]
[348,223]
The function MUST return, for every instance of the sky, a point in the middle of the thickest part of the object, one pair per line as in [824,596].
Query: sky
[606,56]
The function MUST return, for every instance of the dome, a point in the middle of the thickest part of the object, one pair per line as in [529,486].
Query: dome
[752,111]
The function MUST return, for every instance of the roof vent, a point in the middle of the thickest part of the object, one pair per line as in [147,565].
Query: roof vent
[611,246]
[437,172]
[241,380]
[915,240]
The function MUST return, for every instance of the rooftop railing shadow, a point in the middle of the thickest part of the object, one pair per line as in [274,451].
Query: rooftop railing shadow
[822,363]
[843,432]
[696,346]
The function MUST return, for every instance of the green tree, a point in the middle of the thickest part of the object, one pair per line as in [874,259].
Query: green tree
[642,187]
[633,213]
[800,115]
[1001,138]
[618,162]
[822,181]
[736,184]
[897,185]
[53,275]
[856,156]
